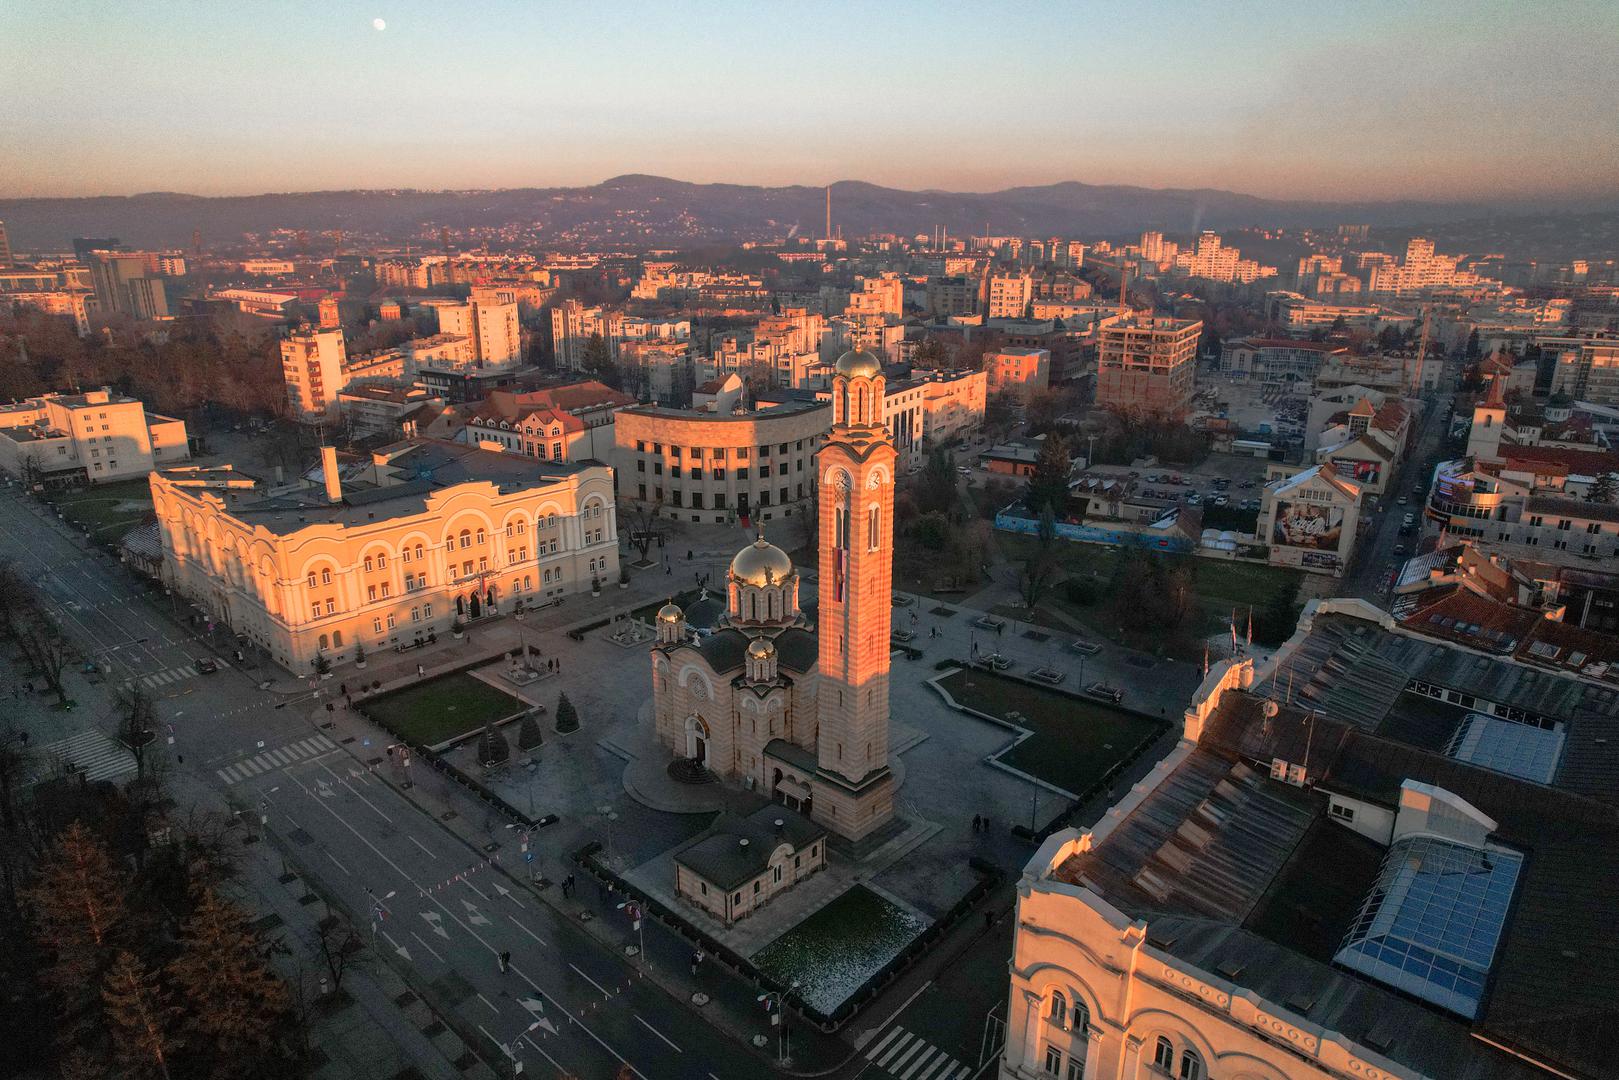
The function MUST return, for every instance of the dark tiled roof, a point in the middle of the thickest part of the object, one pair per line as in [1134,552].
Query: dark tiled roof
[792,754]
[797,649]
[724,650]
[718,856]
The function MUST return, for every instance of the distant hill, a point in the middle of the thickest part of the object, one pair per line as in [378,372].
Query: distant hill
[640,210]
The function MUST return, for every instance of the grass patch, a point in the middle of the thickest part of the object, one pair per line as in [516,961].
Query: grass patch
[440,709]
[835,950]
[1075,742]
[108,510]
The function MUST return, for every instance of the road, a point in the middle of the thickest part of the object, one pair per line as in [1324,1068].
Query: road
[567,1000]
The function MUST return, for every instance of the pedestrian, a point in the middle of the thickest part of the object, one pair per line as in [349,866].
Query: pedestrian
[180,759]
[696,959]
[505,961]
[667,569]
[420,671]
[986,823]
[329,706]
[977,821]
[343,688]
[348,701]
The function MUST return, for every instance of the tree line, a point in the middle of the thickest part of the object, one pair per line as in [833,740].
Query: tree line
[120,952]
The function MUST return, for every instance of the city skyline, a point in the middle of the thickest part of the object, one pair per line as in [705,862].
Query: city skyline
[1269,101]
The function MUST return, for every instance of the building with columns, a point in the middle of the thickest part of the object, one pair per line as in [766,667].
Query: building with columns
[792,703]
[387,550]
[1371,855]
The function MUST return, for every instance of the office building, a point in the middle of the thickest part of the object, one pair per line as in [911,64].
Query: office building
[1018,371]
[1146,365]
[1587,370]
[389,549]
[1275,360]
[94,437]
[1369,855]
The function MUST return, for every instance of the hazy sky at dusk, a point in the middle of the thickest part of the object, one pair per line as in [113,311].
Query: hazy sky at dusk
[1302,100]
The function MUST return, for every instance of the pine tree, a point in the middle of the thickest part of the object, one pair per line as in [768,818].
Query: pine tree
[235,1007]
[78,910]
[567,715]
[1048,484]
[528,733]
[139,1018]
[493,750]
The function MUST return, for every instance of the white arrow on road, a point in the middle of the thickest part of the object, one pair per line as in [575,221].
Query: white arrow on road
[398,948]
[436,921]
[473,916]
[502,890]
[322,787]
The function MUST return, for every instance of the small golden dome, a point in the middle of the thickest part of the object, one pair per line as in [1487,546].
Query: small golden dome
[860,364]
[670,612]
[761,648]
[761,563]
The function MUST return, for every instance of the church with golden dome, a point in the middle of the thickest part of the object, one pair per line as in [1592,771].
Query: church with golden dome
[790,703]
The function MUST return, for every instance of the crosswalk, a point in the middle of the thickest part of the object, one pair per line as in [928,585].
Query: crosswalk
[96,755]
[303,749]
[171,675]
[905,1055]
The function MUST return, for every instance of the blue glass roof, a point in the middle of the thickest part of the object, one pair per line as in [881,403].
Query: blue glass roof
[1508,746]
[1432,920]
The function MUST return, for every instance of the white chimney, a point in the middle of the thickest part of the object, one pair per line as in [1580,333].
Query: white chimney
[328,471]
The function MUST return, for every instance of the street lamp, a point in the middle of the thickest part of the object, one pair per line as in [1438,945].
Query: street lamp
[379,910]
[778,1018]
[634,911]
[510,1049]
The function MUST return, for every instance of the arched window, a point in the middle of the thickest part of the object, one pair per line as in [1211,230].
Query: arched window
[1163,1055]
[337,639]
[368,564]
[480,538]
[325,643]
[873,529]
[466,538]
[1082,1018]
[1058,1012]
[1191,1065]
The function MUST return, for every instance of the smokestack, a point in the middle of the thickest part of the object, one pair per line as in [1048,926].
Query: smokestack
[829,211]
[328,472]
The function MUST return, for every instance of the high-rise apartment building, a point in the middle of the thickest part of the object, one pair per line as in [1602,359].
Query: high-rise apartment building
[1146,364]
[1420,271]
[6,262]
[313,364]
[122,285]
[96,436]
[492,328]
[1007,294]
[881,295]
[1212,260]
[1588,370]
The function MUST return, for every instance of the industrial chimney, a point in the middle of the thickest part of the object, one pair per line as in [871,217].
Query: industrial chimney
[328,472]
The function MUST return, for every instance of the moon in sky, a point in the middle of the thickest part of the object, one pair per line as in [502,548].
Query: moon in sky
[380,24]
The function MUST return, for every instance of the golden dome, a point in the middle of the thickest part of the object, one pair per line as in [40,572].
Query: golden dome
[860,364]
[761,648]
[670,612]
[761,563]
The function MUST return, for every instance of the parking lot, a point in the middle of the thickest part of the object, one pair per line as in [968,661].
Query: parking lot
[1227,480]
[1275,413]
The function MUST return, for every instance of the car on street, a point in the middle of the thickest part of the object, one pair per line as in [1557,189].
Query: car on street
[206,665]
[1105,692]
[1404,500]
[963,470]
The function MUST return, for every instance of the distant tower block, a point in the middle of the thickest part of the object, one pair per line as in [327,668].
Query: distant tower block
[829,211]
[853,786]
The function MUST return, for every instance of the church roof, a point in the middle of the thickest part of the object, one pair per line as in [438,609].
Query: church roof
[724,650]
[720,856]
[797,649]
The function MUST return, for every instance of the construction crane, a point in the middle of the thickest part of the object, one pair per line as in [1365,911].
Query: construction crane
[1123,265]
[1422,347]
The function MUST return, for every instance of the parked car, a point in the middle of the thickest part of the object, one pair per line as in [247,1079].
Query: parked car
[1105,692]
[206,665]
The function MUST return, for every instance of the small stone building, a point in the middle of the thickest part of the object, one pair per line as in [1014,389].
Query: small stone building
[739,863]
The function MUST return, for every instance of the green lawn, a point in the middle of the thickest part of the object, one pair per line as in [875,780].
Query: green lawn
[836,949]
[108,510]
[440,709]
[1075,741]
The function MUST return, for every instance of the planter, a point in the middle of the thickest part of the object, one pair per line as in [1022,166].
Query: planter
[623,584]
[595,592]
[360,664]
[458,634]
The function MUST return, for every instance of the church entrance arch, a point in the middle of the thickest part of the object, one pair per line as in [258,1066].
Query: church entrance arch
[697,740]
[475,608]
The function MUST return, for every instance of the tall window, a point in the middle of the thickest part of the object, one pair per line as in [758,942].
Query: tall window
[1053,1061]
[873,529]
[1191,1065]
[1082,1018]
[841,527]
[1058,1013]
[1163,1055]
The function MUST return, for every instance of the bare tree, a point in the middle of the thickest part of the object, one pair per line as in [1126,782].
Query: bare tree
[46,647]
[643,517]
[1039,568]
[340,949]
[137,723]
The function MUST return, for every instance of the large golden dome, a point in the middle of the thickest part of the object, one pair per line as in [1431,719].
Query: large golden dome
[860,364]
[761,563]
[670,612]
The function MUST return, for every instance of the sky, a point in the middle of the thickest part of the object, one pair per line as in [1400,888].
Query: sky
[1359,100]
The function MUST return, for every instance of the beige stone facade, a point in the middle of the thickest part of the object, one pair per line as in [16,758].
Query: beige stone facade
[97,436]
[390,549]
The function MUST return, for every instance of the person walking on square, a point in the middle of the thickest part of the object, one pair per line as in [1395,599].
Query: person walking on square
[977,821]
[505,961]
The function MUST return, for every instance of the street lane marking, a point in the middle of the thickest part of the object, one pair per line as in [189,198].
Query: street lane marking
[489,1003]
[659,1034]
[892,1034]
[591,981]
[474,888]
[882,1062]
[527,931]
[419,844]
[340,866]
[426,946]
[900,1062]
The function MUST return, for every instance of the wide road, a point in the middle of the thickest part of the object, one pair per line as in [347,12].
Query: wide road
[567,1001]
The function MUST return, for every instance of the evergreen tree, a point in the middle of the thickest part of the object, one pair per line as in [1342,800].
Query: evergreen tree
[493,750]
[78,910]
[1047,488]
[528,733]
[1605,489]
[567,716]
[139,1018]
[598,360]
[235,1007]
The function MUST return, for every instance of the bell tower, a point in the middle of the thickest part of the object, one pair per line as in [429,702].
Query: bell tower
[853,787]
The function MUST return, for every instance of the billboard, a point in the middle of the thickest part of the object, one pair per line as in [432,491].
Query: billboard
[1308,525]
[1362,472]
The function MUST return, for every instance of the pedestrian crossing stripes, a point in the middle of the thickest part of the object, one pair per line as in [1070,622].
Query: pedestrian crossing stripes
[906,1056]
[94,754]
[275,759]
[172,675]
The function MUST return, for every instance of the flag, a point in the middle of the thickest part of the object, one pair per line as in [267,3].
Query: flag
[837,574]
[1233,633]
[1205,659]
[1250,628]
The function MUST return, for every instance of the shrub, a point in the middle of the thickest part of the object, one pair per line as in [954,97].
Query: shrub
[567,715]
[493,750]
[1082,591]
[528,733]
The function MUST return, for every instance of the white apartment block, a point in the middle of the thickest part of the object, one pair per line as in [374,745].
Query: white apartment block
[97,436]
[491,328]
[313,364]
[573,325]
[1007,295]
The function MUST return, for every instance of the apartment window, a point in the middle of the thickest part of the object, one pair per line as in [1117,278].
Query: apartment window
[1191,1065]
[1594,527]
[314,611]
[1163,1055]
[697,453]
[742,474]
[370,592]
[1057,1013]
[657,448]
[674,471]
[742,453]
[427,611]
[697,500]
[325,577]
[1565,525]
[764,451]
[387,590]
[719,474]
[1341,812]
[483,562]
[376,626]
[390,622]
[556,451]
[415,614]
[331,606]
[640,446]
[311,580]
[1536,521]
[657,468]
[719,500]
[1053,1061]
[640,466]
